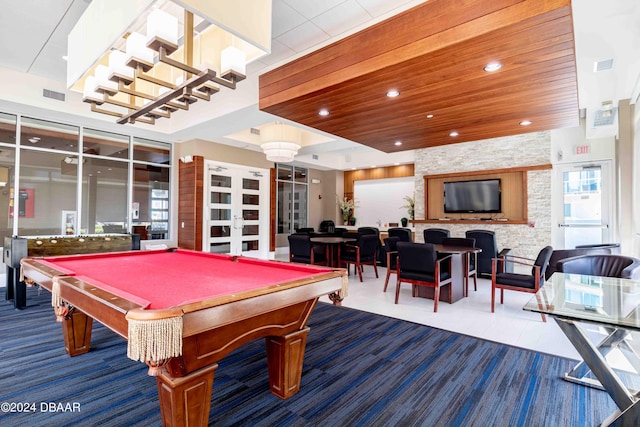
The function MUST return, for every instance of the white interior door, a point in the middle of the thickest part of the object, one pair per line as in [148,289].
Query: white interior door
[236,212]
[586,205]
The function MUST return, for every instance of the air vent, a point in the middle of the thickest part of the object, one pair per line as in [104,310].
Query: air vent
[314,156]
[604,117]
[605,64]
[58,96]
[255,131]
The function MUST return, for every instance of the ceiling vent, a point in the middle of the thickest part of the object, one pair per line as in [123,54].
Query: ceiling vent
[314,157]
[58,96]
[255,131]
[605,64]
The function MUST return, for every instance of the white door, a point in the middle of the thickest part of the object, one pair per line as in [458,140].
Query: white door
[587,204]
[237,210]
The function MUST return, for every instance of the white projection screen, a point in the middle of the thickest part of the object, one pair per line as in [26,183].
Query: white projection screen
[380,200]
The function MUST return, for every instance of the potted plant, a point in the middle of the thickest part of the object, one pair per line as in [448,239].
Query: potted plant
[352,220]
[410,207]
[346,208]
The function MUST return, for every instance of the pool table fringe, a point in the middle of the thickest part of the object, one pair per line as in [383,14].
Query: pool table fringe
[154,340]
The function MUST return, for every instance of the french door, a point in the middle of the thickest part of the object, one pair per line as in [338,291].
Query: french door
[587,204]
[236,210]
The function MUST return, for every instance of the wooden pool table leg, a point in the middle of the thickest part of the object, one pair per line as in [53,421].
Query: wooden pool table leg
[76,329]
[285,356]
[186,401]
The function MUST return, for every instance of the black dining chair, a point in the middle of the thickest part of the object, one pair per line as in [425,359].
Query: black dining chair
[419,265]
[530,283]
[390,245]
[363,252]
[435,235]
[486,241]
[303,251]
[404,234]
[470,258]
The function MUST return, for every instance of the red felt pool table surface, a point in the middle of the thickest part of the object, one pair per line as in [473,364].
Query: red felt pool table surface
[161,279]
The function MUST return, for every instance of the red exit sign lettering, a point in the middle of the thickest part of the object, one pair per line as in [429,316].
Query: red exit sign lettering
[582,149]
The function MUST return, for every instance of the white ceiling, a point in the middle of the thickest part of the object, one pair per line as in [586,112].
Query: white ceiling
[33,40]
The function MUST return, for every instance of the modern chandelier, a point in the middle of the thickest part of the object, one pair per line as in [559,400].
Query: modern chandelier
[152,68]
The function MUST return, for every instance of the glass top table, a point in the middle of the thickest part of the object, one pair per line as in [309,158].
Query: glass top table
[614,305]
[602,300]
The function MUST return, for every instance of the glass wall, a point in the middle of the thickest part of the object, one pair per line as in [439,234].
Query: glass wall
[293,190]
[75,180]
[7,170]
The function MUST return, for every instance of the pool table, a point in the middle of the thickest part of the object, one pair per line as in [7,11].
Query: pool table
[182,311]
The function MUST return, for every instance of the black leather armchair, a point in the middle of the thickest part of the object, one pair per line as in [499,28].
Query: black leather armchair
[327,226]
[530,283]
[624,267]
[302,250]
[435,235]
[364,252]
[486,240]
[418,264]
[404,234]
[390,246]
[382,257]
[560,254]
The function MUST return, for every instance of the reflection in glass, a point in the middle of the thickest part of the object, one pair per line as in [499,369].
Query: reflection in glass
[220,231]
[284,207]
[285,172]
[47,188]
[251,214]
[7,128]
[301,175]
[220,181]
[49,135]
[251,230]
[251,199]
[105,144]
[250,184]
[104,196]
[220,214]
[145,150]
[220,248]
[151,201]
[250,245]
[222,198]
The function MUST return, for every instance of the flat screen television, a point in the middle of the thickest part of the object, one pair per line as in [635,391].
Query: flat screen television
[479,196]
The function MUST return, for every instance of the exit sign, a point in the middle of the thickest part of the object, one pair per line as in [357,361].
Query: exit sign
[582,149]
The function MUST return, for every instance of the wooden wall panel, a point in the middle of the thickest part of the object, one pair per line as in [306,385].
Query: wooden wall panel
[374,173]
[190,203]
[513,184]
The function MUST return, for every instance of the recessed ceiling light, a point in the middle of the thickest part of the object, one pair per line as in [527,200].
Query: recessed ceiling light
[34,139]
[393,93]
[373,166]
[323,112]
[525,123]
[397,164]
[454,133]
[492,66]
[397,143]
[353,169]
[65,57]
[429,116]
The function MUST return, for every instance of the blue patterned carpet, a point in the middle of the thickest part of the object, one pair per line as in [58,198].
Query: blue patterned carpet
[360,369]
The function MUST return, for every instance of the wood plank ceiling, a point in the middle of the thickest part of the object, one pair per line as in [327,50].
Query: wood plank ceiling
[434,55]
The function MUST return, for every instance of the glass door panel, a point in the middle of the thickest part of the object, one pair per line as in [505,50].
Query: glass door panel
[235,225]
[586,205]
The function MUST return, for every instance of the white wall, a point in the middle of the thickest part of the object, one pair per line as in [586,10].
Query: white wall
[379,201]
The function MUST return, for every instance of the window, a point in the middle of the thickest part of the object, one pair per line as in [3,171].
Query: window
[292,185]
[63,189]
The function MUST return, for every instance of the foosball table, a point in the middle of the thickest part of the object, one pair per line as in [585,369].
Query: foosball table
[16,248]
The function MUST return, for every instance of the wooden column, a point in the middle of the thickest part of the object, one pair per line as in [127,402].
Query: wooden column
[190,203]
